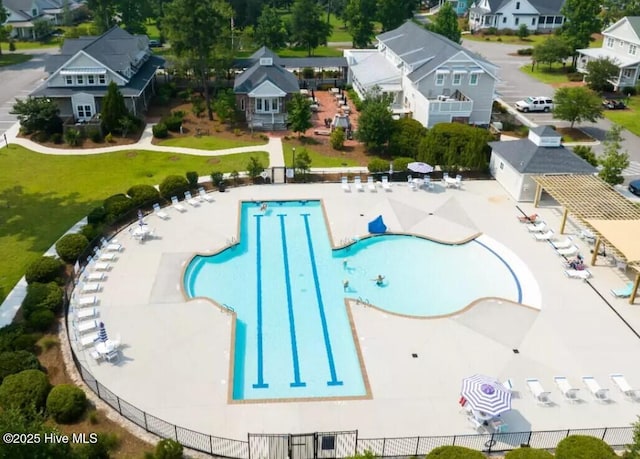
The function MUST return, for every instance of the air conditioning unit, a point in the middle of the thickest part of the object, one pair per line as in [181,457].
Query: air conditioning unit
[442,98]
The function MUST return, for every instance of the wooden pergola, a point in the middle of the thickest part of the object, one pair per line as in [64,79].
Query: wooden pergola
[613,219]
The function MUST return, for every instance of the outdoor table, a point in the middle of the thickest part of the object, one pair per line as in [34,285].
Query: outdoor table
[482,416]
[498,425]
[304,92]
[334,90]
[141,232]
[104,347]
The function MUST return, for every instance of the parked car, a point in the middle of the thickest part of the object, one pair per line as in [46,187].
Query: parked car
[155,44]
[634,187]
[613,104]
[535,104]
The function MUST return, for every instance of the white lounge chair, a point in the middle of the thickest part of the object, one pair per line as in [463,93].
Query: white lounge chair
[94,277]
[569,392]
[410,183]
[112,246]
[357,182]
[89,313]
[204,195]
[87,340]
[101,266]
[583,274]
[600,394]
[345,184]
[371,185]
[85,301]
[107,256]
[176,204]
[458,183]
[537,227]
[543,236]
[621,383]
[85,326]
[91,287]
[386,186]
[568,252]
[193,202]
[508,383]
[159,212]
[538,392]
[563,244]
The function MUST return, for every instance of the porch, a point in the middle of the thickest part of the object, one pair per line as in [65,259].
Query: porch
[456,105]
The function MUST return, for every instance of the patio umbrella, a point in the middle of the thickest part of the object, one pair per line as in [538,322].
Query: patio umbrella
[141,218]
[486,394]
[421,168]
[102,333]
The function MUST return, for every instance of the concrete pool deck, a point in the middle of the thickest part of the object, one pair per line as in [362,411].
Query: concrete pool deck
[176,353]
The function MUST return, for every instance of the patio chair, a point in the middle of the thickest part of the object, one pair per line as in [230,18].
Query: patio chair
[112,246]
[176,204]
[113,355]
[371,185]
[193,202]
[357,182]
[538,392]
[621,383]
[427,184]
[544,236]
[588,236]
[568,252]
[600,394]
[528,218]
[101,266]
[563,244]
[583,274]
[94,277]
[624,292]
[458,183]
[537,227]
[204,195]
[345,185]
[159,212]
[569,392]
[386,186]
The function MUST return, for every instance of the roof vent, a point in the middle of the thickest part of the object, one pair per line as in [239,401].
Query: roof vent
[266,61]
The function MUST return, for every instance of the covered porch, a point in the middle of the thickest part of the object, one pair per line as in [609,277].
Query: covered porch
[629,66]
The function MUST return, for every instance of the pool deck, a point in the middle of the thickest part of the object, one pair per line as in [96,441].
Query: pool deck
[176,354]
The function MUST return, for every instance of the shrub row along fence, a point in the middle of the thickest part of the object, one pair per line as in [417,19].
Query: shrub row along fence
[317,445]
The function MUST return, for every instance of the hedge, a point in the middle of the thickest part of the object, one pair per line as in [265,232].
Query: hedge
[117,205]
[70,246]
[45,269]
[400,164]
[160,131]
[12,362]
[192,178]
[168,449]
[173,185]
[583,447]
[23,390]
[41,320]
[454,452]
[97,216]
[13,338]
[66,403]
[378,165]
[528,453]
[42,296]
[142,194]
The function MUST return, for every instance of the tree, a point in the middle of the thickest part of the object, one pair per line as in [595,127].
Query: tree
[132,15]
[41,29]
[307,27]
[553,49]
[393,13]
[375,124]
[454,145]
[577,104]
[113,109]
[125,124]
[225,106]
[103,14]
[302,162]
[613,161]
[600,72]
[3,31]
[254,167]
[38,114]
[613,10]
[446,23]
[270,31]
[199,32]
[67,15]
[523,31]
[632,451]
[582,20]
[586,153]
[405,140]
[359,16]
[299,111]
[336,140]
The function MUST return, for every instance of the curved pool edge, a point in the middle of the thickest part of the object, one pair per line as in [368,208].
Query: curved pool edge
[357,239]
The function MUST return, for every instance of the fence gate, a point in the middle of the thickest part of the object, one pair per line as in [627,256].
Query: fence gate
[319,445]
[278,175]
[302,446]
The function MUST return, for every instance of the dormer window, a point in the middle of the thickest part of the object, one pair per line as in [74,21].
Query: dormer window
[68,80]
[80,79]
[34,12]
[102,79]
[91,79]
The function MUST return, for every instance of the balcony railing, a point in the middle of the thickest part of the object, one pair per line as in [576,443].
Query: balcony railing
[457,104]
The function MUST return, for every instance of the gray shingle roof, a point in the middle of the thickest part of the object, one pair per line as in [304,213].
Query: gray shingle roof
[634,22]
[545,131]
[550,7]
[528,158]
[258,74]
[290,62]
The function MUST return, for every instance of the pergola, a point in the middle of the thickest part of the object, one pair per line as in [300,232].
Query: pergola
[613,219]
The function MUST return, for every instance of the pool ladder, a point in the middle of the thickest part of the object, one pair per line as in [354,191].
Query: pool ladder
[232,240]
[363,301]
[229,308]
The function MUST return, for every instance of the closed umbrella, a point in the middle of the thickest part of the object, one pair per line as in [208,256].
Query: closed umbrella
[421,168]
[141,218]
[486,394]
[102,333]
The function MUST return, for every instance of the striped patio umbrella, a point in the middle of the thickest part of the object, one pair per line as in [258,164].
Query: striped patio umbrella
[486,394]
[102,333]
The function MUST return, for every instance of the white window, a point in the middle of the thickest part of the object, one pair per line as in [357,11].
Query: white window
[267,105]
[628,73]
[610,42]
[274,105]
[91,79]
[457,78]
[632,49]
[501,165]
[68,80]
[620,43]
[439,79]
[473,79]
[258,105]
[102,79]
[80,79]
[504,20]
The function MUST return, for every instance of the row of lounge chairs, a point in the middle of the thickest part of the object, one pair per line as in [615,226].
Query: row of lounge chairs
[193,201]
[572,394]
[359,186]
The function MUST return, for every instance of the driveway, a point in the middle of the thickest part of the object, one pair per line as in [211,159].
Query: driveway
[516,85]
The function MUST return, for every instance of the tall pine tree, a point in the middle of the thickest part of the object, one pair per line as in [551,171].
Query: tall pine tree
[113,109]
[308,29]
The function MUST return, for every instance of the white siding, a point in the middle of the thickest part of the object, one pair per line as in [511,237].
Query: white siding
[506,175]
[514,17]
[623,31]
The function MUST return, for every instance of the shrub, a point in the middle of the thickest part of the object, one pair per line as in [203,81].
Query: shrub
[525,52]
[141,194]
[507,32]
[73,137]
[160,131]
[629,90]
[237,132]
[523,31]
[97,215]
[192,178]
[95,135]
[117,205]
[45,269]
[12,362]
[173,185]
[528,453]
[56,138]
[173,121]
[40,320]
[101,449]
[337,139]
[168,449]
[23,390]
[454,452]
[91,231]
[583,447]
[575,76]
[14,338]
[491,31]
[586,153]
[378,165]
[39,296]
[217,178]
[70,246]
[307,72]
[400,164]
[109,137]
[66,403]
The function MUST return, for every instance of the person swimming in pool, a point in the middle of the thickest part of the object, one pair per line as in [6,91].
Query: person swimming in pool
[345,284]
[379,280]
[263,207]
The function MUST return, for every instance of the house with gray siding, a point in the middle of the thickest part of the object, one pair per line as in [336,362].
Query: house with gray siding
[537,15]
[23,13]
[429,77]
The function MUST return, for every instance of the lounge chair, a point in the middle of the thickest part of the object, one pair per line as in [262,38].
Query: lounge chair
[345,185]
[94,277]
[568,252]
[111,246]
[159,212]
[410,183]
[87,340]
[537,227]
[538,392]
[106,256]
[583,274]
[85,326]
[193,202]
[176,204]
[458,183]
[357,182]
[90,288]
[101,266]
[587,235]
[427,184]
[624,292]
[84,301]
[371,185]
[621,383]
[569,393]
[528,218]
[204,195]
[544,236]
[89,313]
[386,186]
[600,394]
[563,244]
[509,385]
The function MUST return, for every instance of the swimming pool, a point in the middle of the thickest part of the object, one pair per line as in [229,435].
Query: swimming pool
[293,333]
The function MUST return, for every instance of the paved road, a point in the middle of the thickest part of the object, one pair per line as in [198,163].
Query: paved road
[516,85]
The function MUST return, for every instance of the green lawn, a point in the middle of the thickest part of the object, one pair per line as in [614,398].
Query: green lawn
[41,196]
[530,41]
[550,75]
[628,118]
[339,32]
[321,51]
[152,31]
[207,142]
[55,42]
[12,59]
[317,158]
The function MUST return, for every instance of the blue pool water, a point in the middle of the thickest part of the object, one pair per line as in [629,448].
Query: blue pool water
[285,283]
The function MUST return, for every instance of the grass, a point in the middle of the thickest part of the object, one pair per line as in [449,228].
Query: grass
[530,41]
[339,31]
[318,159]
[12,59]
[54,42]
[42,196]
[627,118]
[152,31]
[207,142]
[549,75]
[574,135]
[320,51]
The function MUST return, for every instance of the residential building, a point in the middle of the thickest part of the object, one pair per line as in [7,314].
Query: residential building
[429,77]
[537,15]
[79,75]
[23,13]
[621,44]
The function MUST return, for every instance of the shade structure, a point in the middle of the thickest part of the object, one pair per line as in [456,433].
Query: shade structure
[377,226]
[486,394]
[421,168]
[102,333]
